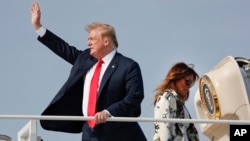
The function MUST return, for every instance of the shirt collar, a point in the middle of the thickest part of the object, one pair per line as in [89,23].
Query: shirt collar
[107,59]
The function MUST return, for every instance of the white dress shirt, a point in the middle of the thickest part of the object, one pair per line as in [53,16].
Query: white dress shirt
[107,59]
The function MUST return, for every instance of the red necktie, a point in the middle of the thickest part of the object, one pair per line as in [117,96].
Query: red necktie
[93,92]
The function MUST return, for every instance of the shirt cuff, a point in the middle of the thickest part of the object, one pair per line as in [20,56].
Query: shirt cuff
[41,31]
[108,113]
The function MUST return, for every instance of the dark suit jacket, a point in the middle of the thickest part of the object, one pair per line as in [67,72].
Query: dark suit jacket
[121,93]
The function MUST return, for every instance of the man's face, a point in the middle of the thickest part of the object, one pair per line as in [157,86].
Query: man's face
[96,44]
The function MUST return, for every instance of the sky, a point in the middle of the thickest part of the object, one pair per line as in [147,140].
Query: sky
[155,33]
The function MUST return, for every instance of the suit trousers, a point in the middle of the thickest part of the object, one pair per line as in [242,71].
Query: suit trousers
[88,134]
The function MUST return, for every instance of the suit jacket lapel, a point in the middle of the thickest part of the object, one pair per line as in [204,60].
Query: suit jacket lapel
[111,68]
[90,61]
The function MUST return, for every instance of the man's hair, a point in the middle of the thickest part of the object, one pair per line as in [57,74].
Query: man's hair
[107,30]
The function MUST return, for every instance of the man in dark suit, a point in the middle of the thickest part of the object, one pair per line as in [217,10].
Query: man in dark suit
[120,90]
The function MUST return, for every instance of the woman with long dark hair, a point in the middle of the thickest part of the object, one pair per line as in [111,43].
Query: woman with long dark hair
[169,102]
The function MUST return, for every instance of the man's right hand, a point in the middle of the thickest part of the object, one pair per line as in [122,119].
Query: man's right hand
[35,16]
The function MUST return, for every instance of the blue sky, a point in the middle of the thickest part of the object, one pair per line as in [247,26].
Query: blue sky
[155,33]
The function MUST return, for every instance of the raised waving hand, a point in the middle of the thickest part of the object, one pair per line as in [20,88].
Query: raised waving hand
[35,15]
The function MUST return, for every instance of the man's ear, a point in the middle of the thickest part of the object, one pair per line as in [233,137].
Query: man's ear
[107,41]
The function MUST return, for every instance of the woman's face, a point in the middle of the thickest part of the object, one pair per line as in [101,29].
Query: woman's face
[183,85]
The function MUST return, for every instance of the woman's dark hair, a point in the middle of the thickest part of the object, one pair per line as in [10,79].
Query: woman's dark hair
[177,71]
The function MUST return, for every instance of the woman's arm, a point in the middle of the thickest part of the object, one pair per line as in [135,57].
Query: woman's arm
[165,108]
